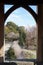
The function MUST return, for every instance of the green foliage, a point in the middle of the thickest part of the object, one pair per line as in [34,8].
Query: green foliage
[22,36]
[11,54]
[7,30]
[12,26]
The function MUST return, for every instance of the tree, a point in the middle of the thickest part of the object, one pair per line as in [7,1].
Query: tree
[22,35]
[12,26]
[31,38]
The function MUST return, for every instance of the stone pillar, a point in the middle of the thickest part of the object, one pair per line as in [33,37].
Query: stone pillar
[1,30]
[40,33]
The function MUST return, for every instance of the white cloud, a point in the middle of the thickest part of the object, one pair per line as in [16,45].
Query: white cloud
[14,18]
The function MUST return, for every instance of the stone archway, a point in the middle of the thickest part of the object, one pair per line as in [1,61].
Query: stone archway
[8,13]
[26,9]
[40,30]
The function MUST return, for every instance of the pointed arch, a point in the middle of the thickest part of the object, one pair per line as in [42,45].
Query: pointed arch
[25,7]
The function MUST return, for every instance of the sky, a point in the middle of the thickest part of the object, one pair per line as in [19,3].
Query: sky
[20,16]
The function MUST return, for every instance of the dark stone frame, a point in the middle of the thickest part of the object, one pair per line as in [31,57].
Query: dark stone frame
[39,17]
[25,6]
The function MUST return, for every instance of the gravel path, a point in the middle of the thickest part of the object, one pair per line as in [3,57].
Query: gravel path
[17,49]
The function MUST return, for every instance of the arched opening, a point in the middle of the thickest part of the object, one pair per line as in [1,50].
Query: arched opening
[40,27]
[25,26]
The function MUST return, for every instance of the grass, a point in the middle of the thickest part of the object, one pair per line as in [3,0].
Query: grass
[29,54]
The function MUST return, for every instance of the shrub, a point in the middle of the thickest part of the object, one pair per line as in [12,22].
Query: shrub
[11,54]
